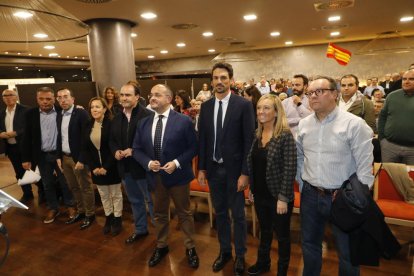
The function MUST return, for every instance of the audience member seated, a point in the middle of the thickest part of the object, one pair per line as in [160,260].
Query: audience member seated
[182,101]
[204,93]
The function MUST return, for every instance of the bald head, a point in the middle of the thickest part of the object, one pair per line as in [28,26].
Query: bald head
[160,98]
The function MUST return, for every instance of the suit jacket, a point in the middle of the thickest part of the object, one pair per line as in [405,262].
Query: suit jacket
[280,166]
[179,142]
[384,85]
[77,125]
[18,123]
[92,155]
[364,108]
[236,139]
[122,137]
[32,139]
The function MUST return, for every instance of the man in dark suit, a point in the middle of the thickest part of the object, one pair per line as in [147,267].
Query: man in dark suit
[132,173]
[71,123]
[226,127]
[11,131]
[40,148]
[387,84]
[165,144]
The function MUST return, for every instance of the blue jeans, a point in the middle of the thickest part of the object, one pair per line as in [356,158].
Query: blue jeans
[224,196]
[47,165]
[137,190]
[315,209]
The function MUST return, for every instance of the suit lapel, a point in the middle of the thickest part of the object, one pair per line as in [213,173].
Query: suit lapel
[169,127]
[228,113]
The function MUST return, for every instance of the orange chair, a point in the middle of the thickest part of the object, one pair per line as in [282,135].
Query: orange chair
[391,203]
[296,203]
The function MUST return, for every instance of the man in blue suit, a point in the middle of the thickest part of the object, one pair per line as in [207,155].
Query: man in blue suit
[226,127]
[165,144]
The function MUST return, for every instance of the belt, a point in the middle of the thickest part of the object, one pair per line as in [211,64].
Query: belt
[323,191]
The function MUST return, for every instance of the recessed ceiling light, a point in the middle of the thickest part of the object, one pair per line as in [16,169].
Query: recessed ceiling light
[53,54]
[406,18]
[148,15]
[134,35]
[76,57]
[40,55]
[29,54]
[20,69]
[23,14]
[16,67]
[164,52]
[49,47]
[211,50]
[38,70]
[6,53]
[19,54]
[250,17]
[207,34]
[334,18]
[335,33]
[67,56]
[40,35]
[83,57]
[289,42]
[274,33]
[181,44]
[151,56]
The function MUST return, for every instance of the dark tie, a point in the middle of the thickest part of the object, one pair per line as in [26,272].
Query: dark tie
[157,138]
[219,130]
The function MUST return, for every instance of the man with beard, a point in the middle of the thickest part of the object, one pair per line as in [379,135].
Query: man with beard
[132,173]
[226,127]
[297,106]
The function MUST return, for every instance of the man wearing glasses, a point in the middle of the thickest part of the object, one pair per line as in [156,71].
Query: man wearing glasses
[11,131]
[332,145]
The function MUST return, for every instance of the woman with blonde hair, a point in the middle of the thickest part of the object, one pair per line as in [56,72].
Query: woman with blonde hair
[272,168]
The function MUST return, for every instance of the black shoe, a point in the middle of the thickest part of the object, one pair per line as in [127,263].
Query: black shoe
[41,199]
[239,266]
[258,268]
[76,218]
[193,260]
[108,222]
[116,226]
[25,199]
[157,256]
[221,261]
[134,237]
[87,222]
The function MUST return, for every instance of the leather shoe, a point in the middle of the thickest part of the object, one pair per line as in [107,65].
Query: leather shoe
[134,237]
[258,268]
[87,222]
[193,260]
[25,199]
[239,266]
[76,218]
[221,261]
[158,255]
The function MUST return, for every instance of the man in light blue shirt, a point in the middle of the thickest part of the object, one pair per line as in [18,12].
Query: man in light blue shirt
[332,145]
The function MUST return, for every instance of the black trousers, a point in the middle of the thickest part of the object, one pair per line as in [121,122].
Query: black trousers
[13,153]
[270,221]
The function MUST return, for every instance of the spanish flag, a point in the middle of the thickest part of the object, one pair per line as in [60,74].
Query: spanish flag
[341,55]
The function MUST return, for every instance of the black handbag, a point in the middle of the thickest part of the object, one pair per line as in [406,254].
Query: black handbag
[349,208]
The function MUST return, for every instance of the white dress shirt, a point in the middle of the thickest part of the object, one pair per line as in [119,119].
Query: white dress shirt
[346,105]
[8,122]
[66,115]
[295,113]
[224,104]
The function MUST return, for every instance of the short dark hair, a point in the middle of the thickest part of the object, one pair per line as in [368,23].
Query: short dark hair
[351,76]
[375,90]
[303,77]
[137,87]
[45,89]
[225,66]
[64,88]
[332,82]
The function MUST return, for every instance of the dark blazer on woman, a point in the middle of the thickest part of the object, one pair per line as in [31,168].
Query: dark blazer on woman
[280,167]
[92,155]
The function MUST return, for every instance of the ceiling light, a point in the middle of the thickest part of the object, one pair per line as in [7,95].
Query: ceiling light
[211,50]
[334,18]
[49,47]
[40,55]
[6,53]
[335,33]
[23,14]
[76,57]
[40,35]
[148,15]
[181,44]
[16,67]
[289,42]
[274,33]
[151,56]
[406,18]
[67,56]
[250,17]
[164,52]
[53,54]
[207,34]
[20,69]
[30,54]
[19,54]
[134,35]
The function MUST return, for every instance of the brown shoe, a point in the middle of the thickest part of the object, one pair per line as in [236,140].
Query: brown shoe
[51,215]
[71,212]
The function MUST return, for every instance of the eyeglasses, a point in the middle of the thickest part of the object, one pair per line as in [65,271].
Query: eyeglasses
[317,92]
[8,95]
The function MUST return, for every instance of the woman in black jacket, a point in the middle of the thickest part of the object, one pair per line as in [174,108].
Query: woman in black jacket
[272,168]
[103,164]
